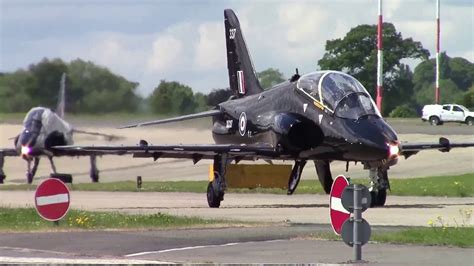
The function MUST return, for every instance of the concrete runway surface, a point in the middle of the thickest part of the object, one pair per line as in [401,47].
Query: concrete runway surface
[270,244]
[119,168]
[282,239]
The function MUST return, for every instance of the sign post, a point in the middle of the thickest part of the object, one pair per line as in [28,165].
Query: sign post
[356,231]
[52,199]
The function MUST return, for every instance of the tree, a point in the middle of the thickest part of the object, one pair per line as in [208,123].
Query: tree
[456,78]
[216,96]
[270,77]
[172,98]
[356,54]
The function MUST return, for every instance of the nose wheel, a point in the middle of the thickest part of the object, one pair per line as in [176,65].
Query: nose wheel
[379,185]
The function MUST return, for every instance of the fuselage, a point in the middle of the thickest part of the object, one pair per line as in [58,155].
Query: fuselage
[305,126]
[42,129]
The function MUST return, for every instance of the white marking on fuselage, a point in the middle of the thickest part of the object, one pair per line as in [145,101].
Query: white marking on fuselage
[336,204]
[305,105]
[320,118]
[53,199]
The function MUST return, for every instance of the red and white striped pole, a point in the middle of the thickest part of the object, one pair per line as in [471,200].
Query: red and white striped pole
[437,52]
[379,59]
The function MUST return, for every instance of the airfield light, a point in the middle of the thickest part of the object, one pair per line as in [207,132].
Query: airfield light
[25,150]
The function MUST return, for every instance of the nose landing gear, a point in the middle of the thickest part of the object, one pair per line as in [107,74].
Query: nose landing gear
[378,186]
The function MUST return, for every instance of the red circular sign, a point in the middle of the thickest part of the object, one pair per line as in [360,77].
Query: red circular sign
[52,199]
[337,212]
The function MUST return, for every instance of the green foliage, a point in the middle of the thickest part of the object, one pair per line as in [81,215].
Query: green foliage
[26,219]
[89,88]
[467,98]
[356,54]
[456,79]
[449,92]
[403,111]
[270,77]
[216,96]
[175,98]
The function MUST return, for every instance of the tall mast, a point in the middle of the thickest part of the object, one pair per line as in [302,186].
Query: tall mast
[379,59]
[438,29]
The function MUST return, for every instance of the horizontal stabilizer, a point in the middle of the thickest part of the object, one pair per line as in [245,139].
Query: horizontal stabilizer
[175,119]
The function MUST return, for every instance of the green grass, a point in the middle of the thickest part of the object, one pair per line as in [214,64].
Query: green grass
[440,186]
[26,219]
[429,236]
[439,236]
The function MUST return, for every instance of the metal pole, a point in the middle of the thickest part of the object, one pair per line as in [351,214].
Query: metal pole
[379,59]
[438,30]
[357,220]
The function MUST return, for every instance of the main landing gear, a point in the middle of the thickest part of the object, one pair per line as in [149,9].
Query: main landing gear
[67,178]
[216,188]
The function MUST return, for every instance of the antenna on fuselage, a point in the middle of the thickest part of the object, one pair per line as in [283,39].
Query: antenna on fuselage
[295,77]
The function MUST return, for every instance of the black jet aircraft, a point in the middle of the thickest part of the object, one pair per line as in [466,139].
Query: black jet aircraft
[42,130]
[322,116]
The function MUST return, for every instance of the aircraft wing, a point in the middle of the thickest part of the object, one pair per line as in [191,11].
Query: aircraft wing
[444,145]
[194,152]
[9,152]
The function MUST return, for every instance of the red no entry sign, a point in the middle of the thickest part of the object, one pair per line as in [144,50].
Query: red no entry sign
[337,212]
[52,199]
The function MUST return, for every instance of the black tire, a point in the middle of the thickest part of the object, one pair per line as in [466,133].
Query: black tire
[434,120]
[213,199]
[2,177]
[66,178]
[95,178]
[29,178]
[470,121]
[323,171]
[378,198]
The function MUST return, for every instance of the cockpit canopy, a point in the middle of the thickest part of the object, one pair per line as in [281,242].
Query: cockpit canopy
[339,93]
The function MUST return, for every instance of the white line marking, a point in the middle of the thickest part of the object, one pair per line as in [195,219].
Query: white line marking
[336,204]
[53,199]
[196,247]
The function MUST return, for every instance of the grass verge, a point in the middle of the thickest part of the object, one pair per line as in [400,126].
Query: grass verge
[26,219]
[425,236]
[439,186]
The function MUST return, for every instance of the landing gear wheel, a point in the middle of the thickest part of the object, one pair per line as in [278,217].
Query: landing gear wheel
[66,178]
[95,177]
[29,178]
[2,177]
[434,121]
[378,198]
[324,175]
[213,197]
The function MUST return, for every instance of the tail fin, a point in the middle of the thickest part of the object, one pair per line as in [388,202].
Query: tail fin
[61,97]
[242,76]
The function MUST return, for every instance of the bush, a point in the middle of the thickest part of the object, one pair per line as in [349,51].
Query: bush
[403,111]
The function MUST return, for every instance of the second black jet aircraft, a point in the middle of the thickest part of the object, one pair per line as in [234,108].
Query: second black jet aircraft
[322,116]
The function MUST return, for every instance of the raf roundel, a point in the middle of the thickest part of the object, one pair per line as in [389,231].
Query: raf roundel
[242,123]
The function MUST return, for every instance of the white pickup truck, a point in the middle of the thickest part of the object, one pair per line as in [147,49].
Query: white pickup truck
[438,114]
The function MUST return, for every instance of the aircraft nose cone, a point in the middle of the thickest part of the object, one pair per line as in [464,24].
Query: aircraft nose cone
[376,139]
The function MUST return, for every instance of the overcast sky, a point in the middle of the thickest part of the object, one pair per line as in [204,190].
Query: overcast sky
[147,41]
